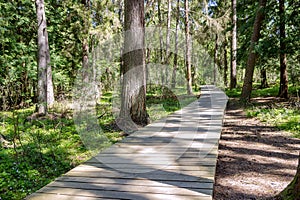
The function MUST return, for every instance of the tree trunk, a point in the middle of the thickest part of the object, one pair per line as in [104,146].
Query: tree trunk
[85,44]
[50,90]
[225,62]
[263,76]
[42,58]
[247,86]
[160,42]
[168,40]
[175,64]
[283,89]
[233,46]
[133,105]
[215,60]
[292,191]
[188,49]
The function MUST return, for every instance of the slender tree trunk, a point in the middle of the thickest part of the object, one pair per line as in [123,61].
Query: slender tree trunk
[188,49]
[263,76]
[175,64]
[42,57]
[233,46]
[85,44]
[160,41]
[247,86]
[283,89]
[50,90]
[121,18]
[133,105]
[215,60]
[225,62]
[168,40]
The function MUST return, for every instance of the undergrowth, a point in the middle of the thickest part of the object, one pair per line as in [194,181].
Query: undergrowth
[285,115]
[287,119]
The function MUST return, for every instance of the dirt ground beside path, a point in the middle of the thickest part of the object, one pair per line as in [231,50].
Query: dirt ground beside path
[255,161]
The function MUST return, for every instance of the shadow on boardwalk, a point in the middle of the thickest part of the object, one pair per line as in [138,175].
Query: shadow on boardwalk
[173,158]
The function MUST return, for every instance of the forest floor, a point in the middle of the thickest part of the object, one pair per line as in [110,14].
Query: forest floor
[256,161]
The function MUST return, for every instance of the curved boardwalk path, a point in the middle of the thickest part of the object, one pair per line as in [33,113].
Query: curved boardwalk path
[172,158]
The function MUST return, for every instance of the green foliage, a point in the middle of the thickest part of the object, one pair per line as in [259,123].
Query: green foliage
[271,91]
[38,151]
[161,101]
[284,118]
[234,93]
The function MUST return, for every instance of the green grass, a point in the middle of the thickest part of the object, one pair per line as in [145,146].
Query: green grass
[161,101]
[38,152]
[283,116]
[41,150]
[287,119]
[265,92]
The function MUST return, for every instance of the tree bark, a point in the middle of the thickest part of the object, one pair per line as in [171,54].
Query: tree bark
[85,44]
[160,42]
[225,62]
[215,60]
[233,46]
[50,90]
[292,191]
[247,86]
[133,105]
[168,40]
[263,76]
[283,89]
[42,57]
[175,63]
[188,49]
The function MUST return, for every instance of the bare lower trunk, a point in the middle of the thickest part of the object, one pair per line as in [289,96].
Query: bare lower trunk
[215,60]
[133,105]
[167,56]
[50,90]
[247,86]
[160,42]
[263,76]
[188,50]
[85,45]
[225,63]
[283,89]
[233,47]
[42,58]
[176,47]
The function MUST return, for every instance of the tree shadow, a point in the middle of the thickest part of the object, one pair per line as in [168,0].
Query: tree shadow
[263,152]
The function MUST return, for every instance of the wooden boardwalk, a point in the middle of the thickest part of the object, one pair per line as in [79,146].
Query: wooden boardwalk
[173,158]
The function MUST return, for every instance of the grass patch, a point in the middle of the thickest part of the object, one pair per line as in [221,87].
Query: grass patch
[284,118]
[35,152]
[161,101]
[284,115]
[265,92]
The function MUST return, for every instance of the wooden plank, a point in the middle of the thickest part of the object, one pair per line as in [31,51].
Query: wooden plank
[165,168]
[45,196]
[157,177]
[119,195]
[100,171]
[170,190]
[157,155]
[141,182]
[180,162]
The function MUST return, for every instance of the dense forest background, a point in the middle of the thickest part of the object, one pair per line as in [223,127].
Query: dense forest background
[210,24]
[251,45]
